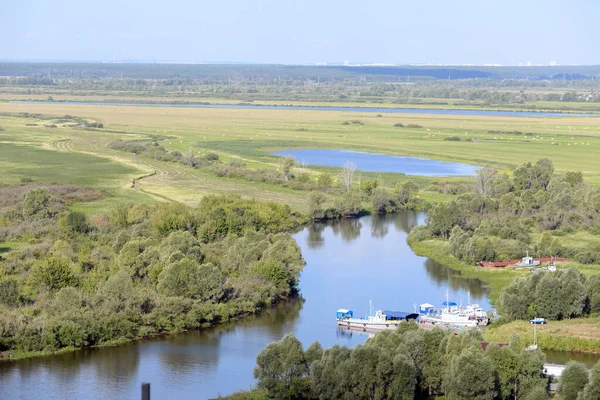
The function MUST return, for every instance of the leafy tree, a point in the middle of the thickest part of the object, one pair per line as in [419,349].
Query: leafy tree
[315,203]
[592,389]
[324,181]
[573,380]
[73,222]
[368,186]
[55,273]
[187,278]
[37,204]
[574,178]
[573,293]
[286,164]
[9,292]
[350,204]
[548,297]
[382,201]
[282,369]
[470,376]
[406,192]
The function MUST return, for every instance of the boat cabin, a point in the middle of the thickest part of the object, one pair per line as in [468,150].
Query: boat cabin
[426,308]
[343,313]
[399,316]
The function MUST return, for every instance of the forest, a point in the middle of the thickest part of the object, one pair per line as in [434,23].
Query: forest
[70,281]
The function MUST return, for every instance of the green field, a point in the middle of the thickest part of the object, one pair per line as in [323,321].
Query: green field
[82,156]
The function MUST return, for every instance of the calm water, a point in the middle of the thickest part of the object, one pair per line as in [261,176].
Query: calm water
[353,109]
[370,162]
[348,263]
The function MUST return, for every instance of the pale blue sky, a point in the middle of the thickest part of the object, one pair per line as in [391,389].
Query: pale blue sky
[303,31]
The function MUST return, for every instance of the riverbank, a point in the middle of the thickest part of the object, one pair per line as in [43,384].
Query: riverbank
[579,335]
[494,279]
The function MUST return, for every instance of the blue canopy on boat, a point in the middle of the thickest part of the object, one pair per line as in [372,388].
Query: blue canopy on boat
[344,313]
[390,315]
[451,303]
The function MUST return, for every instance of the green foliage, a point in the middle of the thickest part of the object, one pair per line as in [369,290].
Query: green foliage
[573,380]
[382,201]
[9,292]
[282,369]
[286,164]
[143,271]
[187,278]
[470,376]
[592,389]
[558,295]
[324,181]
[54,273]
[368,186]
[73,222]
[350,204]
[37,204]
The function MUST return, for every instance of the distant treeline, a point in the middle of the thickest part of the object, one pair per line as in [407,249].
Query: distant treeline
[271,72]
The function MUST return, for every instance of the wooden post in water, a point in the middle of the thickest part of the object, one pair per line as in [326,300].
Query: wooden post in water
[145,391]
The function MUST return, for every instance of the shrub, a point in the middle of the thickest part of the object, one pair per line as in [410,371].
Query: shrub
[452,138]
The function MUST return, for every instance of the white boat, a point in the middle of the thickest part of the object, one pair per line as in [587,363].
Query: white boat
[377,321]
[527,262]
[453,315]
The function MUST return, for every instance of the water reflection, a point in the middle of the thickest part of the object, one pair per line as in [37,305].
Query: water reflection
[444,276]
[315,235]
[349,229]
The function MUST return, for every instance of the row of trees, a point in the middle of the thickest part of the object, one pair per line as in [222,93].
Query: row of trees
[405,364]
[553,295]
[141,270]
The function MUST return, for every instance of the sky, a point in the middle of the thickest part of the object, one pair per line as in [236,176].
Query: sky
[507,32]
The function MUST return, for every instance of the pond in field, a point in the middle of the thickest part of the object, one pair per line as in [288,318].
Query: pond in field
[370,162]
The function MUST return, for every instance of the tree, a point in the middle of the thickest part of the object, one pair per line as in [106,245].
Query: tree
[186,278]
[324,181]
[573,293]
[73,222]
[405,192]
[573,380]
[483,180]
[369,185]
[55,273]
[382,201]
[592,389]
[315,203]
[347,175]
[36,204]
[282,369]
[470,376]
[286,164]
[9,292]
[349,204]
[548,298]
[574,178]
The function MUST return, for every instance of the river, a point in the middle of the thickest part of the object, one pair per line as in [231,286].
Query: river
[379,110]
[348,263]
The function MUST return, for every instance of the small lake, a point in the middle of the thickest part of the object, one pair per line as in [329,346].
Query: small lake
[348,263]
[378,110]
[370,162]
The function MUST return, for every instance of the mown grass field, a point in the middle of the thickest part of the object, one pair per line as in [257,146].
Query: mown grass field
[81,156]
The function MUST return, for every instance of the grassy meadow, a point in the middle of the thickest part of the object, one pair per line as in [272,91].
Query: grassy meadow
[31,151]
